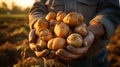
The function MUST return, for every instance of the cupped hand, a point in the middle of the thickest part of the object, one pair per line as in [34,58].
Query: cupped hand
[48,54]
[72,52]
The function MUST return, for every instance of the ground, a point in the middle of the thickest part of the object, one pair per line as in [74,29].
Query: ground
[14,38]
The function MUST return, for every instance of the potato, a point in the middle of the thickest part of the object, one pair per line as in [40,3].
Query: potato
[41,44]
[81,29]
[50,16]
[56,43]
[52,24]
[41,23]
[45,34]
[60,16]
[75,40]
[61,29]
[73,18]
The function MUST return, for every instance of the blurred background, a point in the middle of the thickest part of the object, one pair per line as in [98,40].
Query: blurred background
[14,30]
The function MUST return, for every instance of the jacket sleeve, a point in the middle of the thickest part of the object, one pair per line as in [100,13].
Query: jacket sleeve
[108,14]
[38,10]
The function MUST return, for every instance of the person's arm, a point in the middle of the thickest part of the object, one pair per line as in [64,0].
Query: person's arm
[108,15]
[104,23]
[38,10]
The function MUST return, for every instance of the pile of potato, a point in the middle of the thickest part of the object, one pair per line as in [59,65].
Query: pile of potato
[57,30]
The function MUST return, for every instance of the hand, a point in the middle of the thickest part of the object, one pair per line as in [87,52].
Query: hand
[48,54]
[74,53]
[96,28]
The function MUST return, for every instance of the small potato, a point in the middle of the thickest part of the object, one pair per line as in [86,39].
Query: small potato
[73,18]
[41,23]
[50,16]
[61,29]
[60,16]
[45,34]
[81,29]
[56,43]
[75,40]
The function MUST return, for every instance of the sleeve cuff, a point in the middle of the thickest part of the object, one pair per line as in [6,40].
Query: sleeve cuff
[108,25]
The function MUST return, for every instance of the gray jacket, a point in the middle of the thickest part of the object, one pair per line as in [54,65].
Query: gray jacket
[106,11]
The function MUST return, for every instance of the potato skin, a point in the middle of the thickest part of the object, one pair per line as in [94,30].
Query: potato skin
[56,43]
[45,34]
[73,18]
[81,29]
[60,16]
[75,40]
[61,29]
[50,16]
[41,23]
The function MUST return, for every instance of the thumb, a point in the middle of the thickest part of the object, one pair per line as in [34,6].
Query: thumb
[88,40]
[32,36]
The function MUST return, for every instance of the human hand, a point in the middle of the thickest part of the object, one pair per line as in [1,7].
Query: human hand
[48,54]
[74,53]
[96,28]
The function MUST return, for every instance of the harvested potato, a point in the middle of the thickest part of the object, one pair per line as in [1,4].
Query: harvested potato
[50,16]
[73,18]
[81,29]
[75,40]
[60,16]
[45,34]
[56,43]
[41,23]
[61,29]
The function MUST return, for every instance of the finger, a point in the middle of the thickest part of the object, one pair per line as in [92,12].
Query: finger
[62,57]
[77,51]
[35,59]
[32,36]
[51,55]
[66,55]
[42,53]
[33,46]
[88,40]
[97,29]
